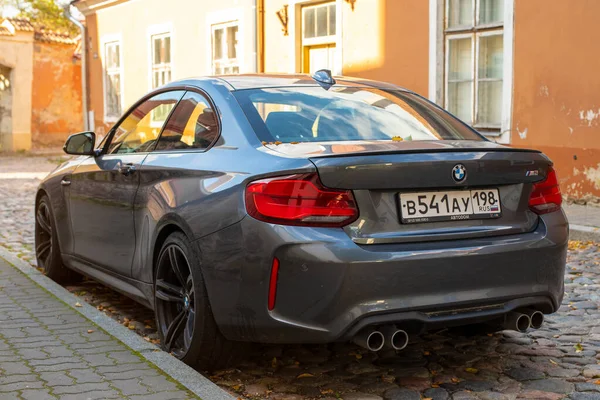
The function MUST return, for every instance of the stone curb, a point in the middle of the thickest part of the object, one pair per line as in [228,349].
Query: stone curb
[180,372]
[584,233]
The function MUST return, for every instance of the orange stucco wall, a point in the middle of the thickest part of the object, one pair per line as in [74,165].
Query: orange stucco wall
[556,103]
[381,39]
[56,110]
[388,40]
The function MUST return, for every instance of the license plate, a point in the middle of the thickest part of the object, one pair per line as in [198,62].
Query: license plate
[449,205]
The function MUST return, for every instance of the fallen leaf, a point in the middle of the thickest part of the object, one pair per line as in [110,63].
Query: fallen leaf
[78,304]
[597,382]
[435,385]
[578,348]
[274,362]
[146,338]
[131,326]
[426,353]
[277,143]
[471,370]
[455,380]
[305,375]
[236,387]
[294,142]
[327,391]
[553,362]
[90,330]
[397,139]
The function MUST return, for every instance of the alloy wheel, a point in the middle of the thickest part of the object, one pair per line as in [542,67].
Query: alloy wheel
[43,235]
[175,300]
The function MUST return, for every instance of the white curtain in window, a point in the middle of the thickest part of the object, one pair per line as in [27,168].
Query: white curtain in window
[489,97]
[460,13]
[491,11]
[460,78]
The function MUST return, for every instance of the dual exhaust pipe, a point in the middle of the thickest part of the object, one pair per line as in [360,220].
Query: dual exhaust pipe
[521,321]
[388,336]
[393,338]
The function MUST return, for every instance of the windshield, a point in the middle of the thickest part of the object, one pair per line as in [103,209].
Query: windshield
[312,114]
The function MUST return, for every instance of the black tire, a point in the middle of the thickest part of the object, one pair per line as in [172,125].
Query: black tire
[199,343]
[47,249]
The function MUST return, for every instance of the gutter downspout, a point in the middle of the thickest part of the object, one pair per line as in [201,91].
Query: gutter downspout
[260,35]
[84,97]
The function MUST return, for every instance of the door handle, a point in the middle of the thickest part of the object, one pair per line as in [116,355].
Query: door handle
[65,182]
[127,169]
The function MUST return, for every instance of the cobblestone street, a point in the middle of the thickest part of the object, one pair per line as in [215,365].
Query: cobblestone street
[559,361]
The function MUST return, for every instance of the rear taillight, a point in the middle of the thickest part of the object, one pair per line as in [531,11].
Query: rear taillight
[299,200]
[546,196]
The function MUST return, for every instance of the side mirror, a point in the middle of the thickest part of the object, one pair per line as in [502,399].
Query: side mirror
[80,144]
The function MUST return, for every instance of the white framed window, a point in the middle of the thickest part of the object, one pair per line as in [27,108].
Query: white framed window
[474,62]
[319,37]
[225,48]
[161,59]
[113,80]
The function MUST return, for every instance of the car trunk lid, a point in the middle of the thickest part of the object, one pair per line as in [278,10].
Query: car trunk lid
[378,173]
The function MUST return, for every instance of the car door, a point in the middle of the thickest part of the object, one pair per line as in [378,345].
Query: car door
[177,174]
[103,188]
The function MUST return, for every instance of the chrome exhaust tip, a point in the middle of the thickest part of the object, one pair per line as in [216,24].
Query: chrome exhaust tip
[536,318]
[370,339]
[517,322]
[395,338]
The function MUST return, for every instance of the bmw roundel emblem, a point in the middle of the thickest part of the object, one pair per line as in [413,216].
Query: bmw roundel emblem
[459,173]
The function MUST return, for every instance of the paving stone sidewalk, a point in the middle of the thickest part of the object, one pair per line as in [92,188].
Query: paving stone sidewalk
[49,351]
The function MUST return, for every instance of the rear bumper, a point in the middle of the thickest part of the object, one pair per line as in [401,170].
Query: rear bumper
[329,287]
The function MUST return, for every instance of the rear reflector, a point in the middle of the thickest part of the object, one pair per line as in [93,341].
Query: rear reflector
[273,284]
[546,196]
[299,200]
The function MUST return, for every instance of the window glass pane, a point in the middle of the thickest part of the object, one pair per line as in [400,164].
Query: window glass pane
[232,32]
[460,59]
[489,103]
[193,125]
[346,114]
[218,44]
[491,58]
[113,95]
[309,22]
[321,21]
[157,46]
[491,11]
[460,13]
[140,129]
[112,55]
[332,19]
[167,47]
[459,100]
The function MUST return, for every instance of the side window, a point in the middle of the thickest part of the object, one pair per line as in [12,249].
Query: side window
[193,125]
[139,131]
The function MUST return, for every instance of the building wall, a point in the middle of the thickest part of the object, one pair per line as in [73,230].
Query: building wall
[388,40]
[556,106]
[16,52]
[133,21]
[56,95]
[381,39]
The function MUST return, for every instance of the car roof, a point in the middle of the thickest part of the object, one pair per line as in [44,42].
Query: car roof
[258,81]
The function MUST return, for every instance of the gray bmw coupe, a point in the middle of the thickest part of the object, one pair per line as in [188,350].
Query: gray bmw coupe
[304,209]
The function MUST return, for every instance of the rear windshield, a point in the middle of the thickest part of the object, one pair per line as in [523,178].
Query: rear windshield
[313,114]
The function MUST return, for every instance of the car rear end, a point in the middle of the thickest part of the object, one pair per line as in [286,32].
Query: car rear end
[408,219]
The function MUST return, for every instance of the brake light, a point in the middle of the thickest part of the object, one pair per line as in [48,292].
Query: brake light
[299,200]
[546,196]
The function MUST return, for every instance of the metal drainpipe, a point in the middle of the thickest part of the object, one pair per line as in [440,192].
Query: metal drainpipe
[84,99]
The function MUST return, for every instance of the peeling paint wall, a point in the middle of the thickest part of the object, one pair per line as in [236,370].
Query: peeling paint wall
[56,95]
[556,106]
